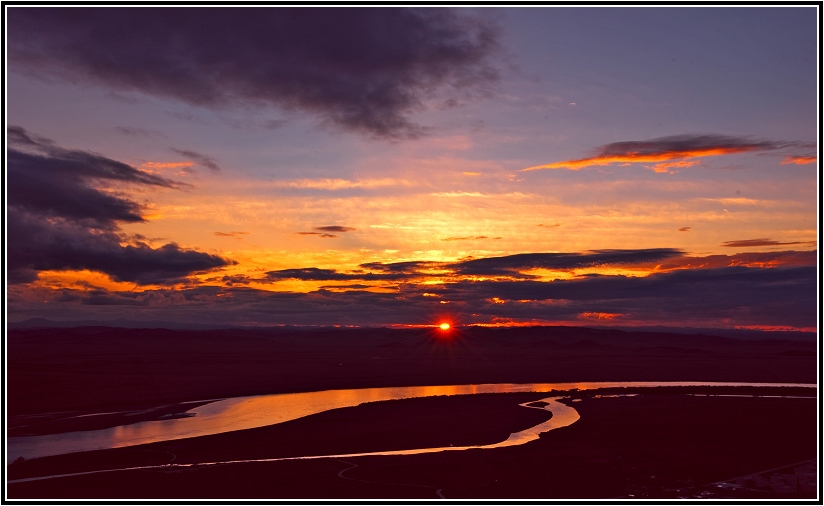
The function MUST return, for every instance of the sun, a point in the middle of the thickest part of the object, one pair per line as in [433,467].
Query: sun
[444,326]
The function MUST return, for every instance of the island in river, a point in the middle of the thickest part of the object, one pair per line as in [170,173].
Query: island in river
[660,443]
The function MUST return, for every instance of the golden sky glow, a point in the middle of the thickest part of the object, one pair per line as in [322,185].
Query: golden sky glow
[259,231]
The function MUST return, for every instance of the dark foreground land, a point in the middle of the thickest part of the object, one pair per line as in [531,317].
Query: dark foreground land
[662,443]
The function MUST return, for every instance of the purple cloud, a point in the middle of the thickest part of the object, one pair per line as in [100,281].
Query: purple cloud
[364,70]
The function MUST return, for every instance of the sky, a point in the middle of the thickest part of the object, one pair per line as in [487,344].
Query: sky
[404,167]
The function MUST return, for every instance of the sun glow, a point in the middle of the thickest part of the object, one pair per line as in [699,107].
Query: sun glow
[444,326]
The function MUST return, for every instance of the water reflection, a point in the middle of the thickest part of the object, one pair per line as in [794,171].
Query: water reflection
[242,413]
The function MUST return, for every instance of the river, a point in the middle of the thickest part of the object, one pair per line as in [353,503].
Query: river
[241,413]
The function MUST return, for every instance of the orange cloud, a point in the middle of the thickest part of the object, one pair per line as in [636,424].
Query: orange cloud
[663,149]
[600,316]
[167,165]
[636,158]
[665,167]
[799,160]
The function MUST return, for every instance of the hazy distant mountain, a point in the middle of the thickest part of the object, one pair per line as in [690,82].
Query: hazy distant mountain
[42,323]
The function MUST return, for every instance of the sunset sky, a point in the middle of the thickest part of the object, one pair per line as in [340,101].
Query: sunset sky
[315,166]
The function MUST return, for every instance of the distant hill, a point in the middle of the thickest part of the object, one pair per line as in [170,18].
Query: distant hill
[43,323]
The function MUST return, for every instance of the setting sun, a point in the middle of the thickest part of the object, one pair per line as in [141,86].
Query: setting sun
[444,326]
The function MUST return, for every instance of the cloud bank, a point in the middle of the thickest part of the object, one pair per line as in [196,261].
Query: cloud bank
[705,297]
[61,217]
[507,266]
[364,70]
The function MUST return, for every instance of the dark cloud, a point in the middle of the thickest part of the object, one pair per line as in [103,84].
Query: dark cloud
[402,267]
[362,69]
[309,274]
[679,145]
[685,229]
[508,266]
[237,279]
[355,286]
[18,136]
[48,180]
[676,147]
[48,186]
[335,228]
[230,234]
[199,158]
[59,218]
[511,267]
[513,264]
[680,284]
[467,238]
[736,294]
[319,234]
[315,274]
[324,231]
[751,243]
[38,244]
[78,163]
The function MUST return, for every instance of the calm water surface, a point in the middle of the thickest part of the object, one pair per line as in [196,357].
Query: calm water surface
[241,413]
